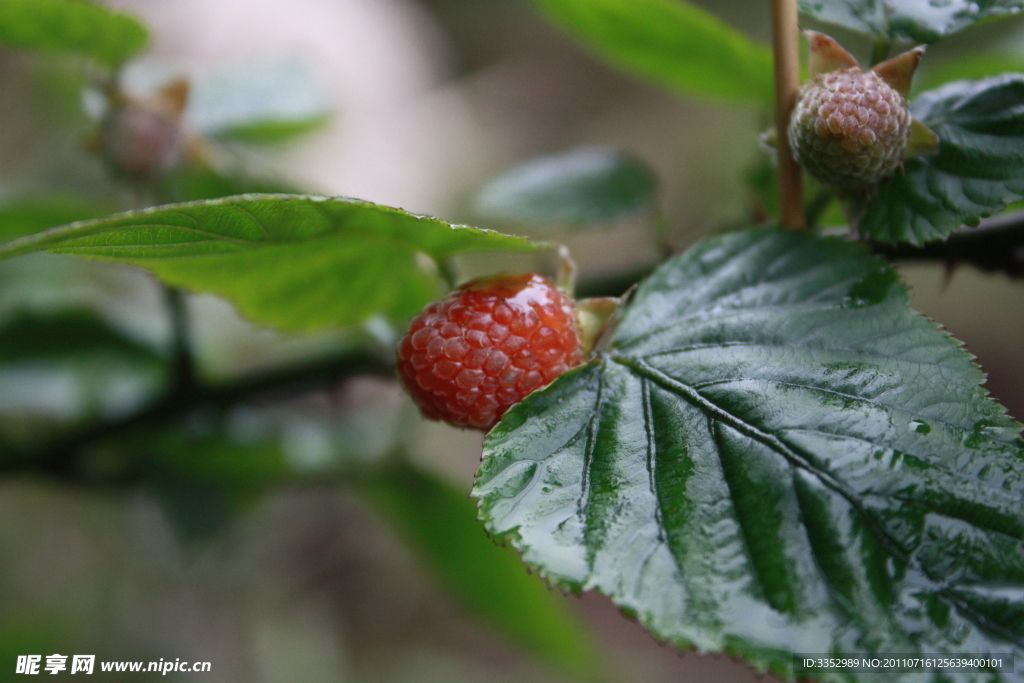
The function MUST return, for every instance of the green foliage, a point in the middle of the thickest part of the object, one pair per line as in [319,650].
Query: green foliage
[262,103]
[775,455]
[108,36]
[440,523]
[197,180]
[966,68]
[907,19]
[31,336]
[977,171]
[204,482]
[671,42]
[581,187]
[297,263]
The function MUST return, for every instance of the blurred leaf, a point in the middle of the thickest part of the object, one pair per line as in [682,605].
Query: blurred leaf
[28,336]
[977,171]
[673,43]
[264,102]
[195,181]
[27,216]
[917,20]
[298,263]
[70,364]
[968,68]
[108,36]
[775,455]
[763,183]
[490,581]
[584,186]
[203,483]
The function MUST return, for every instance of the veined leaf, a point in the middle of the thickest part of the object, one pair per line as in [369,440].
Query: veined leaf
[491,582]
[775,456]
[581,187]
[295,262]
[918,20]
[108,36]
[673,43]
[977,171]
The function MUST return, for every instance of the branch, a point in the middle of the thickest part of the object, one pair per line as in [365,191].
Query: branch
[995,246]
[61,458]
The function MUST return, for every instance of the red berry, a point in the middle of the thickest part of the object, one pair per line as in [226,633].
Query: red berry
[470,357]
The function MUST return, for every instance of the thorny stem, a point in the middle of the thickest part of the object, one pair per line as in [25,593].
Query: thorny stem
[785,46]
[63,457]
[995,246]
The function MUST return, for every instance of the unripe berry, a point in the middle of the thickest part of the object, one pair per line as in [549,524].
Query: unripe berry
[849,128]
[852,128]
[141,138]
[470,357]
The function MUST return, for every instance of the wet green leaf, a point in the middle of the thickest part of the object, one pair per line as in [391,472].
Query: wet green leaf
[923,21]
[581,187]
[106,35]
[297,263]
[490,581]
[775,456]
[977,171]
[671,42]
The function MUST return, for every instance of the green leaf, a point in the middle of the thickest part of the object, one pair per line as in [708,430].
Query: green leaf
[297,263]
[775,456]
[671,42]
[585,186]
[491,582]
[977,171]
[26,216]
[266,102]
[108,36]
[915,20]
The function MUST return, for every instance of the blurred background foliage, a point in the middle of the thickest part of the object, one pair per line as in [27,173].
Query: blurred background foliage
[323,532]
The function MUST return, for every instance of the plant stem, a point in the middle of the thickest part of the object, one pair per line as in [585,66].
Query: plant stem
[785,47]
[61,457]
[182,364]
